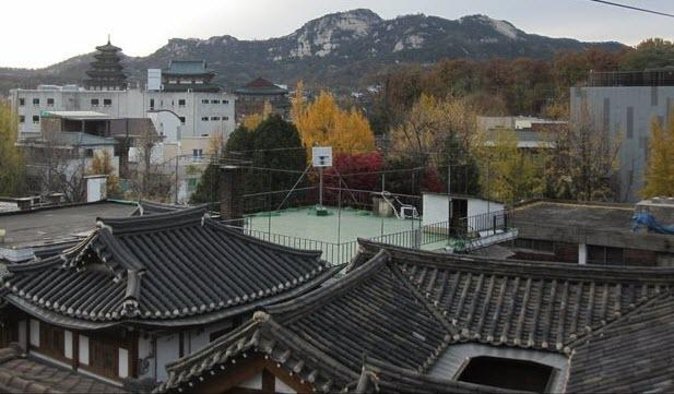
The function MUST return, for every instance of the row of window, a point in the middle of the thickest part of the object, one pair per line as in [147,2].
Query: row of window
[36,119]
[182,102]
[214,118]
[106,102]
[36,102]
[206,101]
[50,102]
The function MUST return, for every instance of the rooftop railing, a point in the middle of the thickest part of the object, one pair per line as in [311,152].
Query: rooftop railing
[441,233]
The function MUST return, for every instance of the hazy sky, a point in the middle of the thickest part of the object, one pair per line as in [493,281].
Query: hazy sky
[36,33]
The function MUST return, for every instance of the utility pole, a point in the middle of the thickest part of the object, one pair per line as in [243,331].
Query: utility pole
[177,159]
[449,194]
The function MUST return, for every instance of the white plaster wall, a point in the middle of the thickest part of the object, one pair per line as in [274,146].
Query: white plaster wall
[254,383]
[168,349]
[23,341]
[436,208]
[68,344]
[478,206]
[145,356]
[84,349]
[35,332]
[197,339]
[281,387]
[167,124]
[123,368]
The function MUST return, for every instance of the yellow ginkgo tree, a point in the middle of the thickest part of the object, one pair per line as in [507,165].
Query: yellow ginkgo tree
[660,169]
[323,123]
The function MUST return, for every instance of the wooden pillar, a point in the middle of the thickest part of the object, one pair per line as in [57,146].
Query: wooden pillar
[76,350]
[133,354]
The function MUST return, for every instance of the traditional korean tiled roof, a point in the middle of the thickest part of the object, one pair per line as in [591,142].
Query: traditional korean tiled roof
[19,374]
[527,304]
[170,269]
[145,208]
[322,336]
[406,308]
[634,354]
[261,86]
[187,67]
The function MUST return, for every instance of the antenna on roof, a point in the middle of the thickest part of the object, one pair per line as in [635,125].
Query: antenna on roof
[108,38]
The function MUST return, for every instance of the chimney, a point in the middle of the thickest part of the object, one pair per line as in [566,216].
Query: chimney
[231,194]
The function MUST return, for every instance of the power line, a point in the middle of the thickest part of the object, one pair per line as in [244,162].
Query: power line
[629,7]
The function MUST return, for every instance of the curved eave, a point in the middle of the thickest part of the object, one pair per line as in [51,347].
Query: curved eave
[56,318]
[219,315]
[81,324]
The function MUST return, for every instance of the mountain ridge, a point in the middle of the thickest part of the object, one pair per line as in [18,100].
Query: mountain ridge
[341,49]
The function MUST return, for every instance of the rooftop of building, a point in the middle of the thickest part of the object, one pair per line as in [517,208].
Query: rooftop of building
[57,223]
[650,77]
[77,115]
[187,67]
[132,270]
[261,86]
[602,224]
[613,217]
[412,310]
[22,374]
[336,233]
[71,139]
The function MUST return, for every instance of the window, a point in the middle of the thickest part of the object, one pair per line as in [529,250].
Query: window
[50,102]
[181,102]
[225,101]
[107,102]
[225,118]
[535,244]
[182,119]
[215,101]
[36,119]
[22,101]
[197,154]
[204,118]
[88,153]
[215,118]
[605,255]
[94,102]
[508,373]
[204,101]
[22,119]
[151,103]
[36,101]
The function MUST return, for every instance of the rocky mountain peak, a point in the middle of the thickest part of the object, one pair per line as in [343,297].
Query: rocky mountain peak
[503,28]
[321,36]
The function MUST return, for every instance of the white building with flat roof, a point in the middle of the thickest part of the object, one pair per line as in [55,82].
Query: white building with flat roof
[198,114]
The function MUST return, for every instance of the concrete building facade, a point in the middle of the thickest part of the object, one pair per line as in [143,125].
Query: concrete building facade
[626,113]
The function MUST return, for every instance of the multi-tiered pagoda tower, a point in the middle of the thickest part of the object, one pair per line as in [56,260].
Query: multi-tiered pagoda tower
[106,72]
